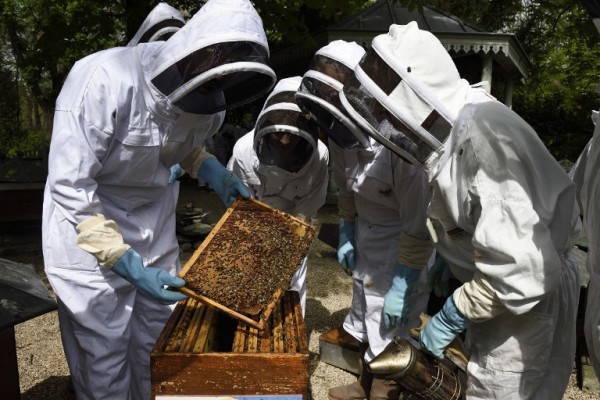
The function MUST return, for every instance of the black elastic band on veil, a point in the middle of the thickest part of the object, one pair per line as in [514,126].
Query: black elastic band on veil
[171,22]
[281,97]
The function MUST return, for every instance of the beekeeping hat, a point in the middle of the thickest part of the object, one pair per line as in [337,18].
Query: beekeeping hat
[162,22]
[218,60]
[331,67]
[284,136]
[407,93]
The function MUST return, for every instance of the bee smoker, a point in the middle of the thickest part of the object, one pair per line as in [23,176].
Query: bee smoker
[423,376]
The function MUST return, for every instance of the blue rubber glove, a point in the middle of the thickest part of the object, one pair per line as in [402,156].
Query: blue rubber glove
[438,276]
[345,251]
[443,327]
[176,172]
[149,280]
[396,303]
[222,180]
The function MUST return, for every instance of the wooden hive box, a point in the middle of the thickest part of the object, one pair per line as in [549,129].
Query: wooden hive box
[247,261]
[205,352]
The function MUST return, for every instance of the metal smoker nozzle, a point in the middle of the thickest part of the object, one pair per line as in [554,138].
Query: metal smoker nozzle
[402,362]
[398,357]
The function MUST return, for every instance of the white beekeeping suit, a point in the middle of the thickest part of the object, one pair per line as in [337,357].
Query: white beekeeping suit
[586,176]
[288,174]
[383,199]
[160,24]
[502,213]
[123,117]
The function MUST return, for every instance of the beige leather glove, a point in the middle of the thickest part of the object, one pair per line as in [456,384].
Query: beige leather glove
[414,252]
[477,300]
[102,238]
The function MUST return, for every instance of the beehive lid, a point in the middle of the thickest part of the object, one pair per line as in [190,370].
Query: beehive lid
[247,261]
[23,295]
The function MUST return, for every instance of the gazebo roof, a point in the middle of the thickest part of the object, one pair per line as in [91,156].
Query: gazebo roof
[459,37]
[382,14]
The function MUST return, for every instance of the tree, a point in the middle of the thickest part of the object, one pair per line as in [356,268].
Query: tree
[559,94]
[46,37]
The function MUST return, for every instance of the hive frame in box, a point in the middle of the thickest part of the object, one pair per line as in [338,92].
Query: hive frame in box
[302,230]
[204,352]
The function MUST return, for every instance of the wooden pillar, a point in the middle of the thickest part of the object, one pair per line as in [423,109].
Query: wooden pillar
[508,92]
[486,72]
[9,378]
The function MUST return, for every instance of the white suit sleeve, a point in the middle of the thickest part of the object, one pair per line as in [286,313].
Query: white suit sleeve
[577,173]
[191,164]
[412,191]
[236,164]
[521,206]
[241,163]
[516,253]
[346,205]
[77,148]
[310,203]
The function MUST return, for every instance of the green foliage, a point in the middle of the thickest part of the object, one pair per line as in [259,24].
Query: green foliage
[293,22]
[45,38]
[558,95]
[491,15]
[30,145]
[48,36]
[9,110]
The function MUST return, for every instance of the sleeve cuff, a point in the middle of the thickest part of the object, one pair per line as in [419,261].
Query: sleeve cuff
[347,208]
[191,164]
[101,238]
[477,300]
[414,252]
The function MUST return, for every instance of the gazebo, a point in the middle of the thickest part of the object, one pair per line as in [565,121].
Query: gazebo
[496,59]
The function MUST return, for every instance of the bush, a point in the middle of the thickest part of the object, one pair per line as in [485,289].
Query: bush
[31,145]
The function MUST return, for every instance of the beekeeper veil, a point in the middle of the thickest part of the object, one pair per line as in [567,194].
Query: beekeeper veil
[160,24]
[284,137]
[217,61]
[331,67]
[407,94]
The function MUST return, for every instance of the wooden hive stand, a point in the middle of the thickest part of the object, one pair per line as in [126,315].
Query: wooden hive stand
[205,352]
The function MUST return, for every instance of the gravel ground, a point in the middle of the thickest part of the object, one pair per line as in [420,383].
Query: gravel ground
[44,374]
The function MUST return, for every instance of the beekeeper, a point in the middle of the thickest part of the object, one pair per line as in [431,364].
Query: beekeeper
[123,117]
[284,163]
[586,177]
[384,242]
[160,24]
[502,214]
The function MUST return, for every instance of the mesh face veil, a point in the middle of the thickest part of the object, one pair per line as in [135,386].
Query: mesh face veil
[217,61]
[331,67]
[407,93]
[283,136]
